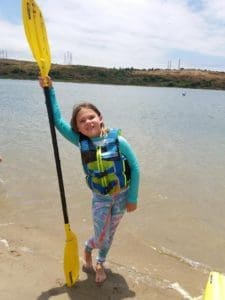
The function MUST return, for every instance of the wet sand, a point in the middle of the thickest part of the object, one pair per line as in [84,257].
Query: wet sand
[31,260]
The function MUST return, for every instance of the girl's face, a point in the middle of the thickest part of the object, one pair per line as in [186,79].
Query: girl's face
[89,122]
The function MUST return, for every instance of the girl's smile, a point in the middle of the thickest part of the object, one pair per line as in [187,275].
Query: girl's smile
[89,122]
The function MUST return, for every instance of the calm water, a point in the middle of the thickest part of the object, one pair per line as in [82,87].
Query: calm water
[179,141]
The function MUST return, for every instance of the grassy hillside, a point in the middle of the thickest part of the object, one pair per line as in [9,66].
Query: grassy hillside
[185,78]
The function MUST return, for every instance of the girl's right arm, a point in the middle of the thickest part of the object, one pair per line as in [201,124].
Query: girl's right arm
[63,127]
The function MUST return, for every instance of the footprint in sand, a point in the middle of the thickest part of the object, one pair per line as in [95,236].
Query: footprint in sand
[10,251]
[14,253]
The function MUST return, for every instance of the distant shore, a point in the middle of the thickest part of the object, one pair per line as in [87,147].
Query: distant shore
[183,78]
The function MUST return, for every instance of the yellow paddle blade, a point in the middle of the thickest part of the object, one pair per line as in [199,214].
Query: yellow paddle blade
[71,257]
[36,34]
[215,287]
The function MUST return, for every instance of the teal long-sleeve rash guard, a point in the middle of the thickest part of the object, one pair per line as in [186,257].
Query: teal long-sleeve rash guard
[66,130]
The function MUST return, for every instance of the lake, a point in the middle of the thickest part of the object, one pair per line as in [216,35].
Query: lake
[179,141]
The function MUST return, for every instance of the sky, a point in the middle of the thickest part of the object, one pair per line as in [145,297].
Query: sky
[141,34]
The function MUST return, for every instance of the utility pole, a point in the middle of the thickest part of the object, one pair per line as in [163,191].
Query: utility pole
[68,58]
[169,65]
[179,64]
[3,53]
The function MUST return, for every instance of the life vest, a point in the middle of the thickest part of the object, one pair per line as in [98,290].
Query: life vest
[106,169]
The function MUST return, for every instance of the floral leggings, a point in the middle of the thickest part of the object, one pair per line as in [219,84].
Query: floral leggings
[107,212]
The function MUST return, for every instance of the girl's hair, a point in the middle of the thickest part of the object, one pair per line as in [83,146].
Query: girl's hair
[77,108]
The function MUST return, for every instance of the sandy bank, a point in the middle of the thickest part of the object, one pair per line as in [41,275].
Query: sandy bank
[31,268]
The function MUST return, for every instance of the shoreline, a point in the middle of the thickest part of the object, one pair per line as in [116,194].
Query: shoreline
[32,265]
[178,78]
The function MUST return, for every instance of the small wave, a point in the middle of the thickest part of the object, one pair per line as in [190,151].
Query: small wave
[176,286]
[194,264]
[6,224]
[5,243]
[146,278]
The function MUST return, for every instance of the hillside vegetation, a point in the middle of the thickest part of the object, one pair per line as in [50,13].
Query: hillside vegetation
[185,78]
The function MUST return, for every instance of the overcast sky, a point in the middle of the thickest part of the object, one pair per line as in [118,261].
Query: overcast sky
[124,33]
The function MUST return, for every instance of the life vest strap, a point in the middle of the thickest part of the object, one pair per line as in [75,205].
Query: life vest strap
[100,174]
[103,190]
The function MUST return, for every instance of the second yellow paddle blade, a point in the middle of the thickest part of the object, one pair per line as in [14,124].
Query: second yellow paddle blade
[71,257]
[215,287]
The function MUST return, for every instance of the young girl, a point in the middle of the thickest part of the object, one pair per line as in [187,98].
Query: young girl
[112,173]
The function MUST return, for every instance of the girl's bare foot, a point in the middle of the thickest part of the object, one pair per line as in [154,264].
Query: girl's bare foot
[100,276]
[88,266]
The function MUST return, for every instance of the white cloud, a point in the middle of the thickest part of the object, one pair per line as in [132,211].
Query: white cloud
[215,10]
[126,33]
[12,39]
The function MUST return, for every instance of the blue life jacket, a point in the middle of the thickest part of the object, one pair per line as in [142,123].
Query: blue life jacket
[107,170]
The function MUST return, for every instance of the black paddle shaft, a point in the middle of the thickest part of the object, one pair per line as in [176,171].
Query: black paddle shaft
[56,154]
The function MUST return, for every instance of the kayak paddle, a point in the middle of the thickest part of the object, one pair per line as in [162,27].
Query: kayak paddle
[35,30]
[215,287]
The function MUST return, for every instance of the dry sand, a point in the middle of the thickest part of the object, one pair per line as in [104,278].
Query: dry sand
[31,267]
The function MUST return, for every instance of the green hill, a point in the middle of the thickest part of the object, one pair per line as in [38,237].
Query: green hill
[185,78]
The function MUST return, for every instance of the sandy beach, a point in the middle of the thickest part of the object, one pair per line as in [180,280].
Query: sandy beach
[31,259]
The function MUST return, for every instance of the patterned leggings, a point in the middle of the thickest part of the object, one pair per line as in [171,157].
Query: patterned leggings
[107,212]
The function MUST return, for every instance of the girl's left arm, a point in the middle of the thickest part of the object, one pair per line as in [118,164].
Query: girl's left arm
[63,127]
[127,151]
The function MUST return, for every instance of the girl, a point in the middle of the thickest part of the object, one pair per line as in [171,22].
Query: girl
[112,173]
